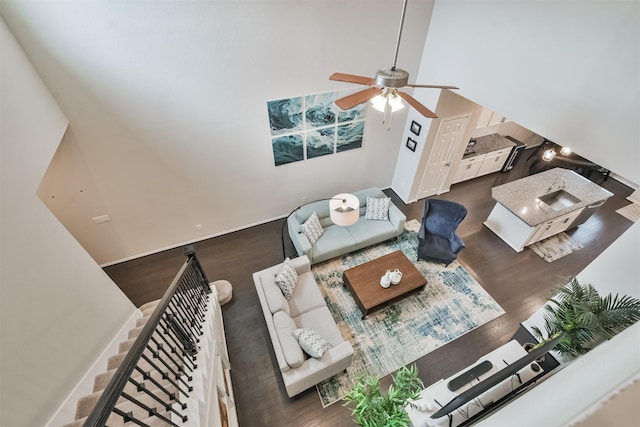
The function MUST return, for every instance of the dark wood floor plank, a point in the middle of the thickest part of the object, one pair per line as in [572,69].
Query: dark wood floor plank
[519,282]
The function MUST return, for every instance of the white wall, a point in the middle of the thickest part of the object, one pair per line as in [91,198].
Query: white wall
[58,309]
[410,166]
[569,71]
[616,270]
[167,109]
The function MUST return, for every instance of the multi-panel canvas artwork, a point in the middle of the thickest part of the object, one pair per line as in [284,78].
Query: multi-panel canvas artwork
[306,127]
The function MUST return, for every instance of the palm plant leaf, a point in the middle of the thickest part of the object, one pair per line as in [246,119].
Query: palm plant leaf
[585,317]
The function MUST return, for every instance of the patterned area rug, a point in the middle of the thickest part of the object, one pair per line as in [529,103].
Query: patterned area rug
[452,304]
[631,212]
[555,247]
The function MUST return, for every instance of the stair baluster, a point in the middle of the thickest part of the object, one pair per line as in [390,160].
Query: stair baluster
[163,356]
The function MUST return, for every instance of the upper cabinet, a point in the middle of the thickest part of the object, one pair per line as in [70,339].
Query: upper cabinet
[489,118]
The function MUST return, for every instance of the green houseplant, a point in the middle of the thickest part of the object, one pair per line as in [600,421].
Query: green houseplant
[585,318]
[373,408]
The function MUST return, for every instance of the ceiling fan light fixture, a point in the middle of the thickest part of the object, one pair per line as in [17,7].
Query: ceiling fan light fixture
[395,102]
[380,102]
[382,91]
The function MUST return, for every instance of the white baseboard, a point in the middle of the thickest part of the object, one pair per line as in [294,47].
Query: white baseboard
[199,239]
[624,180]
[66,413]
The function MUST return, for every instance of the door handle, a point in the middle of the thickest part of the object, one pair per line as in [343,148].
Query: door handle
[447,164]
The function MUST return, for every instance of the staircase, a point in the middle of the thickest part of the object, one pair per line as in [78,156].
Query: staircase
[173,370]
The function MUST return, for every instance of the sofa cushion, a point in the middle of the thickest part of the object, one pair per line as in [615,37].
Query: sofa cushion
[368,192]
[312,228]
[367,232]
[334,241]
[377,208]
[287,278]
[320,207]
[306,297]
[321,321]
[284,326]
[275,300]
[311,342]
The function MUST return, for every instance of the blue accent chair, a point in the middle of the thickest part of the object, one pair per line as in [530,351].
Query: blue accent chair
[437,238]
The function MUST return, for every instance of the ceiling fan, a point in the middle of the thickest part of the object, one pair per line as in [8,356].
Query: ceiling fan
[383,88]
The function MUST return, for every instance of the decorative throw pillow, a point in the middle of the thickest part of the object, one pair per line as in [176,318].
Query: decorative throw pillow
[312,228]
[311,342]
[377,208]
[287,279]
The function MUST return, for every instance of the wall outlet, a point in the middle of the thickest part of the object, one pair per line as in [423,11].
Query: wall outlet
[305,199]
[199,227]
[101,218]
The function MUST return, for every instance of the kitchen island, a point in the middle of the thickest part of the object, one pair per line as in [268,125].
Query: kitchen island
[538,206]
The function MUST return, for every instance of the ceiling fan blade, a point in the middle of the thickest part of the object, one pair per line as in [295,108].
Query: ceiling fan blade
[351,101]
[434,86]
[351,78]
[418,106]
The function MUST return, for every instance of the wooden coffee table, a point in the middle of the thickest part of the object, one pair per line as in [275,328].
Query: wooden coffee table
[363,281]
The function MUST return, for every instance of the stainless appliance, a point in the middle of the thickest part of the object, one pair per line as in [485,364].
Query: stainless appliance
[469,150]
[514,156]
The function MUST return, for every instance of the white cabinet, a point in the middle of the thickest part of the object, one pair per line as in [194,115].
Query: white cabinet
[489,118]
[497,119]
[553,227]
[518,234]
[485,117]
[479,165]
[494,161]
[468,168]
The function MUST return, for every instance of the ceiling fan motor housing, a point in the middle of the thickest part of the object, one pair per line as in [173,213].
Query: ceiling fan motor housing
[392,77]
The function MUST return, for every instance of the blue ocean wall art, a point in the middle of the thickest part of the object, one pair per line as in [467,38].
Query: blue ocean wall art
[310,126]
[285,115]
[349,136]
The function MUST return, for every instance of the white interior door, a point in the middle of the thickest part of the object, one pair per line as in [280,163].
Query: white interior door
[441,156]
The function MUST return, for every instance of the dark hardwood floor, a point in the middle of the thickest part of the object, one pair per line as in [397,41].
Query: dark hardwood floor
[519,282]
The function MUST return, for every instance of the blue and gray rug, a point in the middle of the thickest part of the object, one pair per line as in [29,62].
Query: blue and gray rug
[452,304]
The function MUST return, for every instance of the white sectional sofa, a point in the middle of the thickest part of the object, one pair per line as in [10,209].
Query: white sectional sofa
[336,240]
[305,309]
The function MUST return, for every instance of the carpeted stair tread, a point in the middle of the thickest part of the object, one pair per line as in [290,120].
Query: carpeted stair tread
[115,361]
[142,321]
[76,423]
[116,421]
[125,346]
[87,403]
[133,333]
[150,304]
[102,380]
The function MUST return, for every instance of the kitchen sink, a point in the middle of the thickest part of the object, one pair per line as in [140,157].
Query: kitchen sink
[559,200]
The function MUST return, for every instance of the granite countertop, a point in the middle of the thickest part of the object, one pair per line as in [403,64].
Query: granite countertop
[521,196]
[487,144]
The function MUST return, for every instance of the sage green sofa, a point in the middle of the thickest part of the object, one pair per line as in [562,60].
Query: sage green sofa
[336,240]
